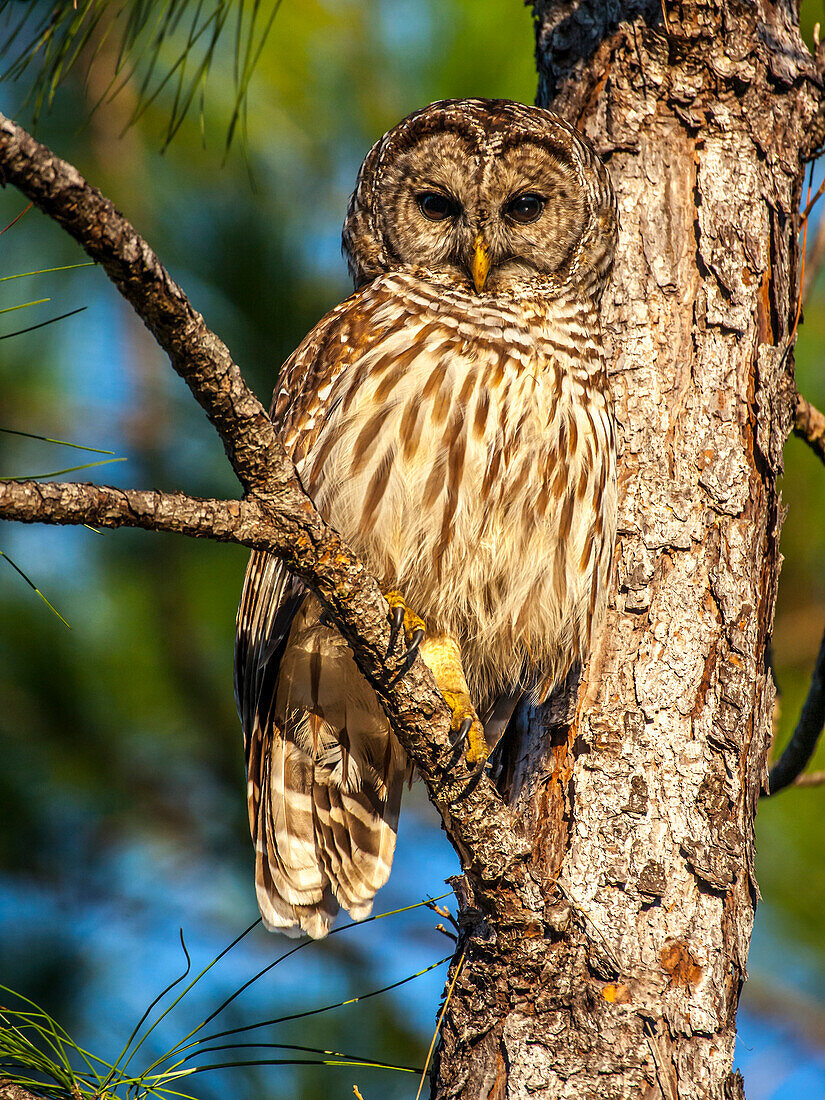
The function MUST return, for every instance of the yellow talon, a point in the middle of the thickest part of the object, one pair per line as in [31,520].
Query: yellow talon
[412,622]
[461,710]
[477,748]
[442,656]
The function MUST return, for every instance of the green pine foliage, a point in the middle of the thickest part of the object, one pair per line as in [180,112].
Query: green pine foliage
[158,44]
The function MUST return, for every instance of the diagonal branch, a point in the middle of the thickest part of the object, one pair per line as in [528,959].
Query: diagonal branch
[800,748]
[276,515]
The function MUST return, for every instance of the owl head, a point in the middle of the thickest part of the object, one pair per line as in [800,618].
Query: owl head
[498,196]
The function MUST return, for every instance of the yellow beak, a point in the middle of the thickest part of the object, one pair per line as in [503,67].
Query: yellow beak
[481,263]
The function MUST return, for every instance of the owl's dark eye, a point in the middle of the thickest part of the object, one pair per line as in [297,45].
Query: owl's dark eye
[435,206]
[524,208]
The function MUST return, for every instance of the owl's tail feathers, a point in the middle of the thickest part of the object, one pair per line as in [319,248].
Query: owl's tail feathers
[356,832]
[318,848]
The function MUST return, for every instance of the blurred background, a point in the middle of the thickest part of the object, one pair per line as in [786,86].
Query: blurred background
[122,814]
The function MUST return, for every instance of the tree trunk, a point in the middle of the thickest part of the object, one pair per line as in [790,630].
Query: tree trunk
[617,967]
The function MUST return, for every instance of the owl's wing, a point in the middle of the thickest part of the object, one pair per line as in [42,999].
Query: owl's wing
[271,596]
[270,600]
[324,774]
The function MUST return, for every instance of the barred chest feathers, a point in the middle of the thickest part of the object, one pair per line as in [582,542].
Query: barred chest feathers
[468,455]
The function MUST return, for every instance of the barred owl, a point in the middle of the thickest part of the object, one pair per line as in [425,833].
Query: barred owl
[452,420]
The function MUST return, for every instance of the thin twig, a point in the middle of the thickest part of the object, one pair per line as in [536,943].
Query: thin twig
[811,779]
[444,912]
[800,748]
[450,936]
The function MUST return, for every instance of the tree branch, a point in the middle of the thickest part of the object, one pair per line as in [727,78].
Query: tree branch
[198,356]
[276,515]
[104,506]
[809,424]
[800,748]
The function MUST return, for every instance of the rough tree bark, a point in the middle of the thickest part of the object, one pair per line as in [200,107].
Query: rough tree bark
[618,972]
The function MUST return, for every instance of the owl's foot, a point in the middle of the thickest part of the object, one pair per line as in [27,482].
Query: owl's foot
[466,727]
[413,625]
[442,655]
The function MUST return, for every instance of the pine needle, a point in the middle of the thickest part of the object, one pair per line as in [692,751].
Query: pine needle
[65,470]
[59,442]
[14,221]
[33,586]
[51,321]
[42,270]
[25,305]
[143,32]
[52,1054]
[326,1008]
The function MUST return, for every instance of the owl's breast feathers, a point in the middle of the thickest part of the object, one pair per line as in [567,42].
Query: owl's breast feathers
[465,448]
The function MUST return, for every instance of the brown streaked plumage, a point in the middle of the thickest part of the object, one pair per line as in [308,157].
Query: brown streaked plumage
[452,419]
